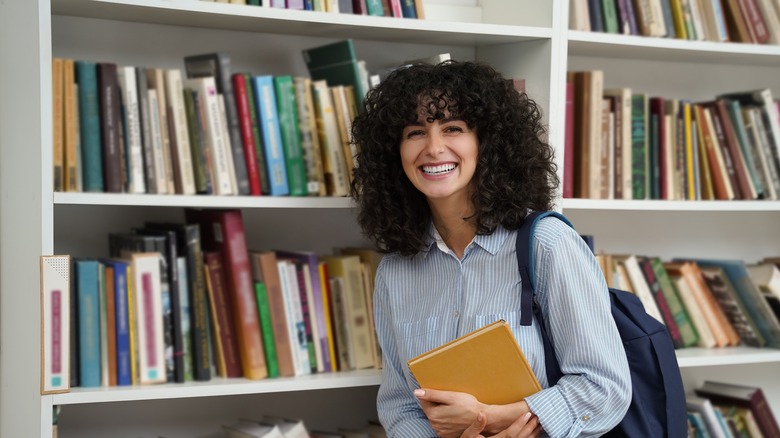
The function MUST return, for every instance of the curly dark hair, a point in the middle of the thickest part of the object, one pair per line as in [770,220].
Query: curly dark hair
[515,168]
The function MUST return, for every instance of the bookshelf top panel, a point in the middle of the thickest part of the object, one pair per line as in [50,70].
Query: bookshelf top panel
[226,16]
[219,387]
[200,201]
[599,44]
[664,205]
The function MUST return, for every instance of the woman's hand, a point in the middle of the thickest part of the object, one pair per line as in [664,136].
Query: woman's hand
[450,413]
[525,426]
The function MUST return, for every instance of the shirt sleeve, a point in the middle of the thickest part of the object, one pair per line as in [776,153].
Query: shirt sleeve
[595,391]
[399,411]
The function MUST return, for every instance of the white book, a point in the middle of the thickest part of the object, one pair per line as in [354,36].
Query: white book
[155,79]
[135,152]
[215,138]
[707,411]
[55,323]
[702,32]
[289,312]
[147,300]
[157,143]
[228,148]
[175,95]
[641,289]
[291,428]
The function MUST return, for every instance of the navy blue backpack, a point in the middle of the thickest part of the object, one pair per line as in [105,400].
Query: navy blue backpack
[657,407]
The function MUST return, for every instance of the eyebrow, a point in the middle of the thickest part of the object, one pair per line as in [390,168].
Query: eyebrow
[442,120]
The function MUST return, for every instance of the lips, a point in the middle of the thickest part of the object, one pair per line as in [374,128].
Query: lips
[438,169]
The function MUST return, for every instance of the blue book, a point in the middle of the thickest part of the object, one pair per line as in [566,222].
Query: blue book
[89,126]
[268,121]
[123,369]
[88,291]
[408,9]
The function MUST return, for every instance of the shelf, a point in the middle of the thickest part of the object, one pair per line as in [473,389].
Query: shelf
[698,357]
[200,201]
[607,45]
[669,206]
[219,387]
[303,23]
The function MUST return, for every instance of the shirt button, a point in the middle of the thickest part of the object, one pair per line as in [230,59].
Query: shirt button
[585,417]
[456,313]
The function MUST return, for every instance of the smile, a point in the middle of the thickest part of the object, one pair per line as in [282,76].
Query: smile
[438,170]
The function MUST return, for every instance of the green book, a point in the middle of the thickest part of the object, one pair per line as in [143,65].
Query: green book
[89,126]
[690,336]
[266,329]
[374,7]
[639,149]
[291,137]
[337,64]
[610,16]
[197,142]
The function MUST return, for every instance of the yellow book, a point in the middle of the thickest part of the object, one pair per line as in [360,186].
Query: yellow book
[486,363]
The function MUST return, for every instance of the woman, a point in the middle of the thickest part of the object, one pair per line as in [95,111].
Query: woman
[452,159]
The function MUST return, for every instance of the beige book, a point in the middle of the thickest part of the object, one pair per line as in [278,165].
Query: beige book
[334,162]
[155,80]
[175,96]
[71,167]
[706,339]
[57,124]
[486,363]
[641,288]
[310,140]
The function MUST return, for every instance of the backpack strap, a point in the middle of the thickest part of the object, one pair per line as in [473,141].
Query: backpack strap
[529,307]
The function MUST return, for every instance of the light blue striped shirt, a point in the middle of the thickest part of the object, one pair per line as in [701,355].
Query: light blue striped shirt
[423,301]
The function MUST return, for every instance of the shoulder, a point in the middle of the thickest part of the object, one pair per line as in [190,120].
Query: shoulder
[550,232]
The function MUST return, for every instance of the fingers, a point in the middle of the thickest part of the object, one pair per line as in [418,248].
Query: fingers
[476,427]
[433,395]
[525,426]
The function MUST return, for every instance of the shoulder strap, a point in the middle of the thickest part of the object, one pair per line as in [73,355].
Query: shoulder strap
[528,305]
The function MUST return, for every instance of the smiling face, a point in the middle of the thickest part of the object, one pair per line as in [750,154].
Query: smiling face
[440,157]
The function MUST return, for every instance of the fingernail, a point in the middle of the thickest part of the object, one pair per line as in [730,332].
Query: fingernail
[526,416]
[419,393]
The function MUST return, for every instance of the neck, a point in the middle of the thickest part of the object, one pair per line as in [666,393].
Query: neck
[456,232]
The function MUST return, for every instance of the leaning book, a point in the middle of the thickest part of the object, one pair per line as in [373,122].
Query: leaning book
[486,363]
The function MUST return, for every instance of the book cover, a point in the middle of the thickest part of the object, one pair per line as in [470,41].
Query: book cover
[486,363]
[147,297]
[290,135]
[268,121]
[222,318]
[337,62]
[333,160]
[88,290]
[732,306]
[262,167]
[89,126]
[295,319]
[55,323]
[244,115]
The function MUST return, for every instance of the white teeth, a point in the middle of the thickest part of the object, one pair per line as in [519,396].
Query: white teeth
[443,168]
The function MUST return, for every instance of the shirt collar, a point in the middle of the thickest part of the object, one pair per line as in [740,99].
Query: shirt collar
[489,242]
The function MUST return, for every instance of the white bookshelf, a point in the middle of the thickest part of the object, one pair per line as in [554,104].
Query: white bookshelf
[522,38]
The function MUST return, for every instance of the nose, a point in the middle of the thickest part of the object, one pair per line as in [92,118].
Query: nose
[435,143]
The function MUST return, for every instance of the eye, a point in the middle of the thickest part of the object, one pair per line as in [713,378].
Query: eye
[453,129]
[412,133]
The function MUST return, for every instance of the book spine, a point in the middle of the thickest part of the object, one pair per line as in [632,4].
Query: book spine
[145,124]
[185,320]
[639,146]
[661,302]
[89,323]
[178,115]
[58,117]
[282,343]
[265,102]
[222,317]
[247,138]
[197,147]
[266,328]
[688,334]
[261,166]
[291,139]
[124,376]
[199,302]
[307,126]
[306,314]
[407,9]
[109,126]
[89,121]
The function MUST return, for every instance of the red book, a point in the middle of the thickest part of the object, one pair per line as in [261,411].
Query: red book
[226,352]
[247,137]
[568,144]
[223,231]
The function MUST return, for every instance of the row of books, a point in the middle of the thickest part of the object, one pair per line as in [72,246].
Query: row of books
[207,130]
[742,21]
[704,302]
[181,302]
[726,410]
[386,8]
[278,427]
[624,144]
